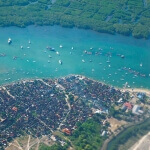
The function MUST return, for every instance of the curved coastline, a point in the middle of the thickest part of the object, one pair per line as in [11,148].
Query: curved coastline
[133,90]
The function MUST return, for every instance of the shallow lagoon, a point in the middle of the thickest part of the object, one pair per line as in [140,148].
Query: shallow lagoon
[35,62]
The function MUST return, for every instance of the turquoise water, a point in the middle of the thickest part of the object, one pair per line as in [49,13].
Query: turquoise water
[35,62]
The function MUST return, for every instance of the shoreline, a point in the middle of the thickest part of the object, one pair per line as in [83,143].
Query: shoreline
[136,90]
[140,142]
[133,90]
[111,139]
[100,32]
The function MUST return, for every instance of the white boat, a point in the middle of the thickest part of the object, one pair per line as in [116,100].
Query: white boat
[57,53]
[60,62]
[28,47]
[72,48]
[29,42]
[60,46]
[141,64]
[122,56]
[21,47]
[100,49]
[9,41]
[83,60]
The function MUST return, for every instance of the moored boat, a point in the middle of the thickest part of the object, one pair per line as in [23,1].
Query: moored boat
[9,41]
[122,56]
[60,62]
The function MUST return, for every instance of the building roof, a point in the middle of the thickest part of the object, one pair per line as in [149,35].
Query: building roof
[128,105]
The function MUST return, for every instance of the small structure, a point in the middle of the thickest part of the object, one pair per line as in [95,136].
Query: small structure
[127,105]
[67,131]
[53,138]
[103,133]
[15,109]
[137,110]
[140,95]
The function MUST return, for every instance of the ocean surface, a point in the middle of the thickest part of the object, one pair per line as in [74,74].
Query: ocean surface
[83,52]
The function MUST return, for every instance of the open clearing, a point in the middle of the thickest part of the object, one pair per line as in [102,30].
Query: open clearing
[142,144]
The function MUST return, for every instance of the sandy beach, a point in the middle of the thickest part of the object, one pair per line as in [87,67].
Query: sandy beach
[136,90]
[142,144]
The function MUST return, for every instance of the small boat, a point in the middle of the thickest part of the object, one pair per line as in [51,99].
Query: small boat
[9,41]
[28,47]
[72,48]
[122,56]
[2,55]
[60,62]
[48,61]
[141,64]
[61,46]
[49,56]
[108,61]
[118,54]
[83,60]
[122,79]
[21,47]
[100,49]
[57,53]
[15,57]
[29,42]
[49,48]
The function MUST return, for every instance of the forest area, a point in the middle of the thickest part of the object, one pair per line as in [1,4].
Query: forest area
[127,17]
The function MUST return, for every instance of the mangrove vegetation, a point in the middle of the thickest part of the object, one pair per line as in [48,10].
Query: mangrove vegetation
[127,17]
